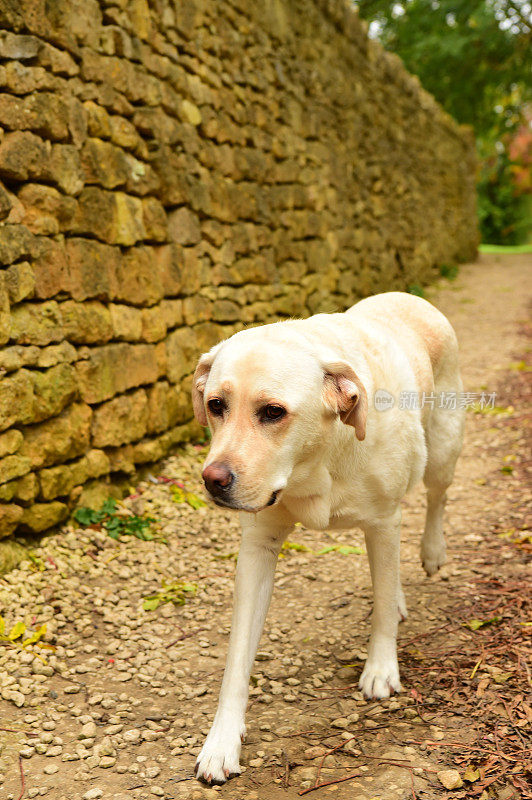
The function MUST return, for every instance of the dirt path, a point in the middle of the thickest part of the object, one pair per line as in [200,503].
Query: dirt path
[118,708]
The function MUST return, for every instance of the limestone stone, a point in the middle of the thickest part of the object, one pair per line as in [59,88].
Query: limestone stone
[58,439]
[116,368]
[20,281]
[15,243]
[53,390]
[113,217]
[5,319]
[24,156]
[59,481]
[126,322]
[138,282]
[153,324]
[183,227]
[182,351]
[46,210]
[10,442]
[9,518]
[49,267]
[92,269]
[120,420]
[27,488]
[190,113]
[86,323]
[16,399]
[13,467]
[37,323]
[66,169]
[104,164]
[41,516]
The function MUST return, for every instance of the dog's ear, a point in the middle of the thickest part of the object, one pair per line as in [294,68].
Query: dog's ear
[199,381]
[344,394]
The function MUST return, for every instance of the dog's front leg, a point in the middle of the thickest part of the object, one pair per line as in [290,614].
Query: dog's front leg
[262,537]
[380,676]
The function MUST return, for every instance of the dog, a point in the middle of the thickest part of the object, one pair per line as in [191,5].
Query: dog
[328,421]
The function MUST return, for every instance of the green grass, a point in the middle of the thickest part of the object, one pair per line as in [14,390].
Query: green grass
[502,248]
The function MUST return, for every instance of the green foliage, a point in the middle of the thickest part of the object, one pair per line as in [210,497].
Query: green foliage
[114,523]
[449,271]
[503,213]
[416,289]
[175,593]
[474,57]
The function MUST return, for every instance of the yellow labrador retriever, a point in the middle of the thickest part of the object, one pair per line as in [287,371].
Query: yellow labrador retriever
[328,421]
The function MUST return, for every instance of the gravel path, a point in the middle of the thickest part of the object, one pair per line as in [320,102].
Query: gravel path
[118,701]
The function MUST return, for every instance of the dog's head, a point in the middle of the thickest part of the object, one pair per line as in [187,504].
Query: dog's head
[270,399]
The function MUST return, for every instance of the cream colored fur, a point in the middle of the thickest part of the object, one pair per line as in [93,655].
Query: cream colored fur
[332,462]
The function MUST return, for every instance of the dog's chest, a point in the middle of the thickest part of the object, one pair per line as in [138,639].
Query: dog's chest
[338,508]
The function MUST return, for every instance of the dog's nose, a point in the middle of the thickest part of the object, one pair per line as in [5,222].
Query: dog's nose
[218,479]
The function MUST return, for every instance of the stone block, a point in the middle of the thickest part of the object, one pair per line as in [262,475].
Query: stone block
[10,442]
[66,169]
[184,227]
[171,312]
[126,322]
[9,518]
[169,263]
[153,324]
[27,488]
[16,399]
[138,281]
[104,164]
[15,243]
[37,323]
[5,317]
[92,269]
[86,323]
[113,217]
[53,390]
[41,516]
[154,220]
[19,281]
[58,439]
[59,481]
[120,420]
[47,211]
[115,368]
[182,351]
[24,156]
[13,467]
[49,267]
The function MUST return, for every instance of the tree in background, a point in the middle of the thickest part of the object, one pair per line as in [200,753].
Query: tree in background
[474,57]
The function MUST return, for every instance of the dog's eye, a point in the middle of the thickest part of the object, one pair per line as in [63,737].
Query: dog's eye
[216,406]
[272,413]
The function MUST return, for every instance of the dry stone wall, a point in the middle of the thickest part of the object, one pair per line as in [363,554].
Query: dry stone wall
[171,171]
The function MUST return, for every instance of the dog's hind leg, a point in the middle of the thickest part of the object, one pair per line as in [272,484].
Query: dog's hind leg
[262,537]
[444,434]
[380,676]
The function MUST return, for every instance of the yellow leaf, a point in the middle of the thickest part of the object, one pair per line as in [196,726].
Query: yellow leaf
[35,636]
[16,631]
[2,626]
[471,774]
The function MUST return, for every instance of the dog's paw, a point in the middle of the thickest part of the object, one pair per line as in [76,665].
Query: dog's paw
[220,755]
[380,679]
[433,558]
